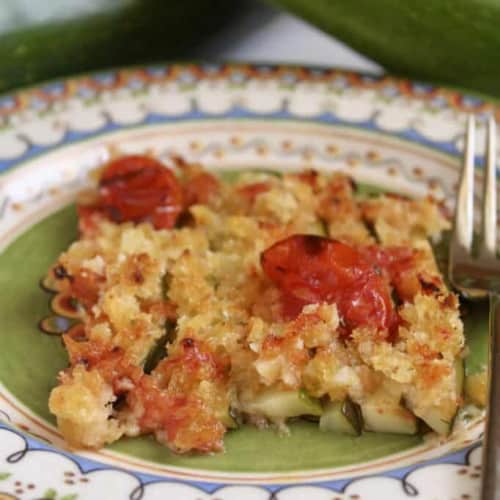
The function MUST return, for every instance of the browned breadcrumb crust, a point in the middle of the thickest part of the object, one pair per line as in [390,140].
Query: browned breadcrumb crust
[231,342]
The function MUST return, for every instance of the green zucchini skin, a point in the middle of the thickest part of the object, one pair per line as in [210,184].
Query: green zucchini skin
[343,417]
[384,414]
[277,404]
[447,41]
[437,419]
[41,40]
[158,350]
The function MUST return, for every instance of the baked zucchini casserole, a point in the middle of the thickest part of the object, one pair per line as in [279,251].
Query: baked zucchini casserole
[207,301]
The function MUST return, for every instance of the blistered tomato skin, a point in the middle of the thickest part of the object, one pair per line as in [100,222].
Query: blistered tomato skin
[139,188]
[311,269]
[251,191]
[200,189]
[394,260]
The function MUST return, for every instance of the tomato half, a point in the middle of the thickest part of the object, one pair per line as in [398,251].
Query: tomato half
[311,269]
[251,191]
[139,188]
[200,189]
[393,259]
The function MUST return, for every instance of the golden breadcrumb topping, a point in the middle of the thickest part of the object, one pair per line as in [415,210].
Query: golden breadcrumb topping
[193,286]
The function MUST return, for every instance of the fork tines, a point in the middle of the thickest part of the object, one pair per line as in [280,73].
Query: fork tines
[464,211]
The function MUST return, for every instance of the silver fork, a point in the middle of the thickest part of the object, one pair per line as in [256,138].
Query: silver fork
[479,275]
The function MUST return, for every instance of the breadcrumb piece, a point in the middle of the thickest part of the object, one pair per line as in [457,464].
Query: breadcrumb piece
[83,406]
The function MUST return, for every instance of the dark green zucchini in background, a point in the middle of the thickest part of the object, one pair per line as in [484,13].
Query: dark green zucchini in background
[43,39]
[448,41]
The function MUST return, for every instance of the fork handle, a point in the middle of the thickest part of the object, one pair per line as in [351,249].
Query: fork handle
[491,442]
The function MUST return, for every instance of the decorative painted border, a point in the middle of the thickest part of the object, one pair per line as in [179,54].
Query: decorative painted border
[41,98]
[72,478]
[173,93]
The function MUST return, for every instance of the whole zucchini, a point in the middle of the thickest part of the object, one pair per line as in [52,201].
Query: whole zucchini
[45,39]
[449,41]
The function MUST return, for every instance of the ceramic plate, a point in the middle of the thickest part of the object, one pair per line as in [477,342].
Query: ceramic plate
[399,135]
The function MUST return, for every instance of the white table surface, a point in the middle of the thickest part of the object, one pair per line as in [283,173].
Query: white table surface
[266,34]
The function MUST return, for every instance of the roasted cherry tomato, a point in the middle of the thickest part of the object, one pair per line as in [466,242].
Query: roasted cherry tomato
[138,188]
[393,259]
[250,191]
[200,189]
[312,269]
[398,266]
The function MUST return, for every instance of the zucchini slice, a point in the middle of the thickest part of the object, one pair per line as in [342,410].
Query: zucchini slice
[278,404]
[382,413]
[440,419]
[228,420]
[440,423]
[476,388]
[341,416]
